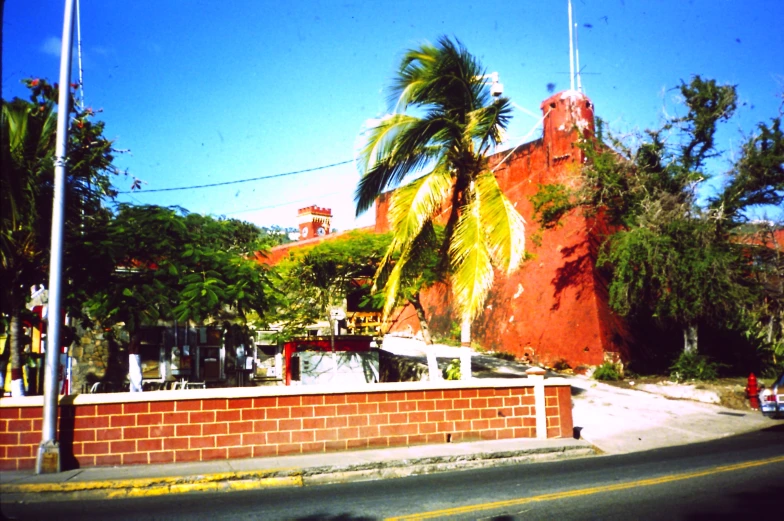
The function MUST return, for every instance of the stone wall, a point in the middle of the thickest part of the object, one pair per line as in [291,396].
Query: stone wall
[99,356]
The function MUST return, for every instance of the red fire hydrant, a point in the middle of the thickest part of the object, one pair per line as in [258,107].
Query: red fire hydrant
[752,391]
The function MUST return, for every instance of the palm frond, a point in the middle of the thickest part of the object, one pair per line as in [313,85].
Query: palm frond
[416,203]
[393,281]
[381,138]
[503,225]
[395,275]
[411,210]
[446,75]
[485,124]
[28,144]
[472,269]
[387,160]
[414,74]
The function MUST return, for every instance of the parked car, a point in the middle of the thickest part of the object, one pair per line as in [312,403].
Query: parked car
[772,399]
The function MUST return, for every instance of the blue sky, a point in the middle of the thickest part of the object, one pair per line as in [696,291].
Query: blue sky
[205,92]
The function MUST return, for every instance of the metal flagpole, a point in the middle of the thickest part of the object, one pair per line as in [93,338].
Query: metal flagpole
[79,49]
[48,458]
[576,59]
[571,50]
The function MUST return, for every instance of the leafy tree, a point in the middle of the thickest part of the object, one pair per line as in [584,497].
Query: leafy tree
[669,255]
[168,264]
[444,122]
[26,189]
[312,280]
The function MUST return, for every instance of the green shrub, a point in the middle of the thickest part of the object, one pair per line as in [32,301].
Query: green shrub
[561,365]
[608,372]
[455,331]
[452,371]
[691,366]
[451,337]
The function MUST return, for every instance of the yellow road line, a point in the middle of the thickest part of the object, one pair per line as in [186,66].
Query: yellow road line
[587,491]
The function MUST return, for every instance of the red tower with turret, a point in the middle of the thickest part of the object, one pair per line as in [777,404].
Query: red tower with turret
[314,222]
[568,117]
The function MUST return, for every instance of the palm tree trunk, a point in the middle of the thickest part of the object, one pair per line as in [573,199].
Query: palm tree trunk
[420,311]
[433,371]
[4,357]
[15,344]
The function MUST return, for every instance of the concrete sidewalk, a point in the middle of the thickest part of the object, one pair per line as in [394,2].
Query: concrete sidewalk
[299,470]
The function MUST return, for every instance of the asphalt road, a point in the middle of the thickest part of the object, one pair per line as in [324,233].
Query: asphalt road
[733,478]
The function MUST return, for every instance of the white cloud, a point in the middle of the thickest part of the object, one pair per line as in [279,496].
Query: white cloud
[51,46]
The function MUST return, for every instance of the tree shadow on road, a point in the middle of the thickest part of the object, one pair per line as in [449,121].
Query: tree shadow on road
[760,504]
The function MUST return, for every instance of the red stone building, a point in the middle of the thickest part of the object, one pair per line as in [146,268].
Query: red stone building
[555,306]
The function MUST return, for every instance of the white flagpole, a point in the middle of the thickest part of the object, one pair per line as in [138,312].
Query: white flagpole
[48,458]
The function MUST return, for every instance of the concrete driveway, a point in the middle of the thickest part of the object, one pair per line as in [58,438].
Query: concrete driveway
[624,420]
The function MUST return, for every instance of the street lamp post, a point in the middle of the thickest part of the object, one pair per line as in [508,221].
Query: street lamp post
[48,457]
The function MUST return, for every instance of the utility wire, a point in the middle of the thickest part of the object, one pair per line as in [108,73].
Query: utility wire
[139,192]
[281,204]
[522,141]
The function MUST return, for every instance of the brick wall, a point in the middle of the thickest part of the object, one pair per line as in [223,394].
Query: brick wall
[195,425]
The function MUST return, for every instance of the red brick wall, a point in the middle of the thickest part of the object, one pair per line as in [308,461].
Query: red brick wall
[559,416]
[163,431]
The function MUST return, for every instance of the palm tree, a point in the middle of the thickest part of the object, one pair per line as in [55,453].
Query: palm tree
[433,150]
[28,134]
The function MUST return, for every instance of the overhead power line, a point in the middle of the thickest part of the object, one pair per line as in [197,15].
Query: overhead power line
[238,181]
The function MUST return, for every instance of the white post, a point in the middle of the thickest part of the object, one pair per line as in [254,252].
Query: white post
[434,374]
[536,376]
[465,349]
[48,458]
[135,373]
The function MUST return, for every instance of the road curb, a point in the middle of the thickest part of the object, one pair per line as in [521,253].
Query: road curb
[28,496]
[405,468]
[276,478]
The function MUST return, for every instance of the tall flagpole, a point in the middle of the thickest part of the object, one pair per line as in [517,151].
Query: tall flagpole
[576,59]
[48,458]
[571,50]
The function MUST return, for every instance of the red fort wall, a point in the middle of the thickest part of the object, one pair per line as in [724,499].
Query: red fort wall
[555,306]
